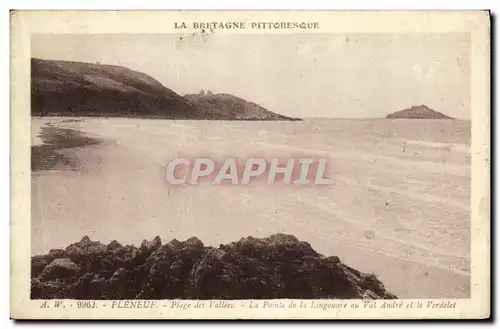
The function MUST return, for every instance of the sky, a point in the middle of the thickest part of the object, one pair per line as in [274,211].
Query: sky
[365,75]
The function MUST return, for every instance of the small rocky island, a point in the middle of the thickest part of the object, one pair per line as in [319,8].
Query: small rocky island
[279,266]
[417,112]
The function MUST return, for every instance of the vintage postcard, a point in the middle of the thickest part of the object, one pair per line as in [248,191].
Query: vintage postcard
[250,165]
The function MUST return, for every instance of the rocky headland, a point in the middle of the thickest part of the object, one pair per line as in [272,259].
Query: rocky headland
[230,107]
[66,88]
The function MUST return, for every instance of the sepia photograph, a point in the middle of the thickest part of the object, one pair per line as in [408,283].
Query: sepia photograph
[284,163]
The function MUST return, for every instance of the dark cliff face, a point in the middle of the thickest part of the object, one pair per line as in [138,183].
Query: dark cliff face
[230,107]
[84,89]
[62,88]
[279,266]
[417,112]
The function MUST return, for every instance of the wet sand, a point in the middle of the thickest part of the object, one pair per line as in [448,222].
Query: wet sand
[47,156]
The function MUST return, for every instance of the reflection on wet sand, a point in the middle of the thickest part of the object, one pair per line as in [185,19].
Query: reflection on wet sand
[47,156]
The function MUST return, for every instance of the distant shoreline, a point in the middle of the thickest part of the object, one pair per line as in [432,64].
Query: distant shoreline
[154,117]
[81,117]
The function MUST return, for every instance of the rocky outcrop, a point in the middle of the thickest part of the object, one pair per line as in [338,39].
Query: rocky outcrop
[279,266]
[60,268]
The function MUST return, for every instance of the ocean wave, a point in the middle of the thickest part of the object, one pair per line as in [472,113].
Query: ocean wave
[455,147]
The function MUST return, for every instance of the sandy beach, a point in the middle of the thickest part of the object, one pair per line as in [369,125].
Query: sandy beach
[399,208]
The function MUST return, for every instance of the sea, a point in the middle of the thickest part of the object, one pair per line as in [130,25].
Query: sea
[398,205]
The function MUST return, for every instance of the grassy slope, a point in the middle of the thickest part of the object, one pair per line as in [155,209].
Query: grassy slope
[73,88]
[85,89]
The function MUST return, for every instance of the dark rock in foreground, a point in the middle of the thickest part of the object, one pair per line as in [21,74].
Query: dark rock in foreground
[417,112]
[279,266]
